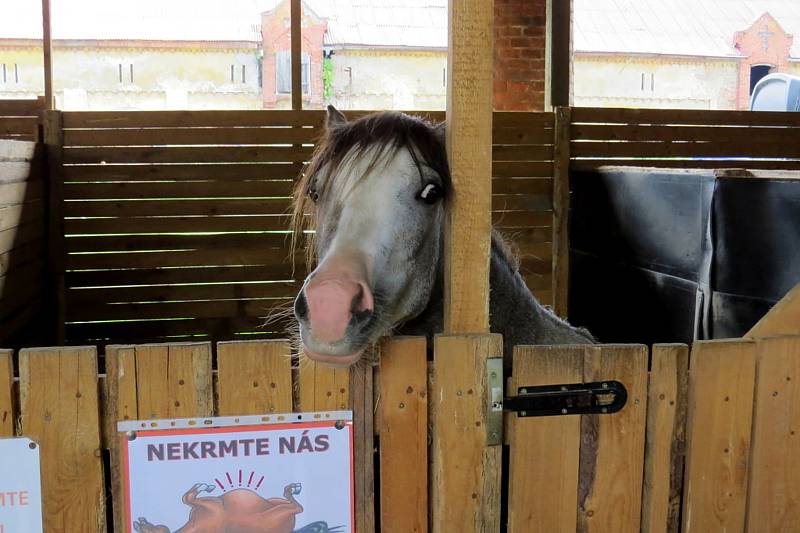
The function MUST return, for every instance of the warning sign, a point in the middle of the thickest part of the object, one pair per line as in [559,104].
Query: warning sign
[20,487]
[240,474]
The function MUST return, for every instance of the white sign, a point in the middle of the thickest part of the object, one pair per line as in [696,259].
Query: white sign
[20,487]
[240,475]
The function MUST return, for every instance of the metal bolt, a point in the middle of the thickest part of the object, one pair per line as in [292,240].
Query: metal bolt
[523,391]
[605,385]
[604,410]
[32,445]
[131,435]
[523,413]
[564,411]
[459,393]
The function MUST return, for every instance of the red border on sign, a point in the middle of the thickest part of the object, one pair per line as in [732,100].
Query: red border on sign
[231,429]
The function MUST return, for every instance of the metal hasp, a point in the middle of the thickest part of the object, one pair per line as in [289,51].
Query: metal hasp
[600,397]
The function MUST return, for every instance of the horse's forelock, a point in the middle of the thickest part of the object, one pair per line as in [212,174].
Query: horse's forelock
[389,131]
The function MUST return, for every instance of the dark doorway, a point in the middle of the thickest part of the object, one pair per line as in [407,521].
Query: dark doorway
[756,73]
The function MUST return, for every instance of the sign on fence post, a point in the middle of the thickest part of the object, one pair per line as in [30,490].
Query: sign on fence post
[276,473]
[20,486]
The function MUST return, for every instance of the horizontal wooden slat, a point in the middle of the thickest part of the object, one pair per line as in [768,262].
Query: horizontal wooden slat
[683,116]
[194,189]
[256,255]
[185,154]
[22,254]
[176,207]
[21,192]
[105,278]
[175,224]
[522,219]
[684,149]
[542,136]
[144,172]
[11,150]
[522,186]
[160,293]
[592,164]
[522,202]
[16,237]
[715,133]
[25,126]
[206,136]
[151,330]
[15,171]
[20,107]
[529,169]
[208,309]
[522,152]
[507,119]
[174,242]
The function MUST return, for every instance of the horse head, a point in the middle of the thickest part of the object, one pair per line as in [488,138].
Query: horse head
[375,193]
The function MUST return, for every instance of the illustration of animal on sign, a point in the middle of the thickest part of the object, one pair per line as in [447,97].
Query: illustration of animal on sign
[240,511]
[376,191]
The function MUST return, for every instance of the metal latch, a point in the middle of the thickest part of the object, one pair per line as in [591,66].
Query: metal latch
[600,397]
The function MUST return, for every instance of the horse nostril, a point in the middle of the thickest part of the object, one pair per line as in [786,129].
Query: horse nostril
[362,317]
[300,306]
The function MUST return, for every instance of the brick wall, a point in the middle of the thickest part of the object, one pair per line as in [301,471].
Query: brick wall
[519,54]
[764,43]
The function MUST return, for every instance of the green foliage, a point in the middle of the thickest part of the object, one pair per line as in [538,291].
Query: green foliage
[327,78]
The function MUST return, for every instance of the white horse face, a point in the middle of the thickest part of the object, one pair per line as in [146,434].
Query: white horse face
[379,230]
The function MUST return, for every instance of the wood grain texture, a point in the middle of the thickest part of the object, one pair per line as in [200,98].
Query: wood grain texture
[612,447]
[403,407]
[362,404]
[561,212]
[254,377]
[666,438]
[465,482]
[543,482]
[6,394]
[56,254]
[469,150]
[59,410]
[773,503]
[322,388]
[295,15]
[721,381]
[782,319]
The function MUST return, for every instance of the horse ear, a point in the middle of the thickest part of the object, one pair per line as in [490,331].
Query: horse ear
[334,118]
[440,130]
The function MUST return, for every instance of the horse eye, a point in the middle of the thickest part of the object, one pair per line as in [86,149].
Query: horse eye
[431,194]
[312,193]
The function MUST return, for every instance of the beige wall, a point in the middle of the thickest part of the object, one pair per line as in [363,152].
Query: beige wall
[30,67]
[389,80]
[614,81]
[163,78]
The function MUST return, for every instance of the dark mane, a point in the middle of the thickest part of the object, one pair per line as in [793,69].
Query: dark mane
[390,131]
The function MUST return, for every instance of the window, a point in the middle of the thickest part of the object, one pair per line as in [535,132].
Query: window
[283,72]
[16,73]
[652,82]
[756,73]
[5,74]
[126,74]
[243,72]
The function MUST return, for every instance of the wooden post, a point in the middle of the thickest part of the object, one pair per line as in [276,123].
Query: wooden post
[561,132]
[560,53]
[782,319]
[469,150]
[296,39]
[47,46]
[56,255]
[6,394]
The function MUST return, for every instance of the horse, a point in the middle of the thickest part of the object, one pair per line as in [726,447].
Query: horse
[376,190]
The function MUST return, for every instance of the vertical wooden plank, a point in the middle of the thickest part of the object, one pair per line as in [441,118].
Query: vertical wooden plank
[563,118]
[122,405]
[543,483]
[47,46]
[6,389]
[774,493]
[721,382]
[469,150]
[782,319]
[56,255]
[612,447]
[403,434]
[296,54]
[560,36]
[254,377]
[323,388]
[58,402]
[364,446]
[465,487]
[666,438]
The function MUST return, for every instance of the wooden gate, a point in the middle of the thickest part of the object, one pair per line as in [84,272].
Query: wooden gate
[706,446]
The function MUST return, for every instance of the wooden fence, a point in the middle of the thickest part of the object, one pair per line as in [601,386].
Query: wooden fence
[20,119]
[732,417]
[175,223]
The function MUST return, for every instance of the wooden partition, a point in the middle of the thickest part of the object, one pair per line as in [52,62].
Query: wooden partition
[20,119]
[176,223]
[732,419]
[23,232]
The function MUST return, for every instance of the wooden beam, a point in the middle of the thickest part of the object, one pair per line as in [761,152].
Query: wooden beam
[469,150]
[561,211]
[47,46]
[296,39]
[782,319]
[560,52]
